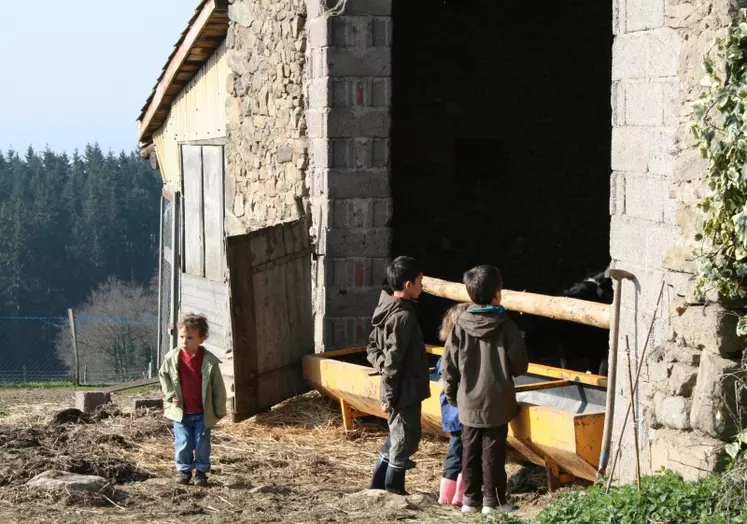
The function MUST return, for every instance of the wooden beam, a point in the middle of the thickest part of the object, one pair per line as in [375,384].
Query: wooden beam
[550,384]
[561,308]
[175,63]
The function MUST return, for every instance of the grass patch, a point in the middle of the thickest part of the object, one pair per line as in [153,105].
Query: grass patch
[664,497]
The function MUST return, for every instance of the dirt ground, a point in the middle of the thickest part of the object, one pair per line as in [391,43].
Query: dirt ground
[292,464]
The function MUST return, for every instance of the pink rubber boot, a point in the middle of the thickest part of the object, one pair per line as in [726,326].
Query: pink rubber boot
[459,492]
[448,487]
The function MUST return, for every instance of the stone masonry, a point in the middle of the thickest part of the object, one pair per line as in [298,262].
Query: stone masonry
[266,154]
[348,128]
[656,182]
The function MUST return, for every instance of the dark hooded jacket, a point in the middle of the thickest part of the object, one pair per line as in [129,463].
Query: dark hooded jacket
[481,356]
[396,349]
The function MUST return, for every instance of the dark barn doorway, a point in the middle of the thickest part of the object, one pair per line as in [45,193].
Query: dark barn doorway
[501,132]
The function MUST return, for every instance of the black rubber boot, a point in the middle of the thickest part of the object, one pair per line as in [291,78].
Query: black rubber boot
[379,475]
[395,481]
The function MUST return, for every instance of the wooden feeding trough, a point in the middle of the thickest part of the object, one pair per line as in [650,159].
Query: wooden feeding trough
[561,418]
[559,424]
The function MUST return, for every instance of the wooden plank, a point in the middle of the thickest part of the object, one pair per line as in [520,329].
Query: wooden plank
[206,288]
[175,62]
[193,210]
[561,308]
[243,326]
[212,168]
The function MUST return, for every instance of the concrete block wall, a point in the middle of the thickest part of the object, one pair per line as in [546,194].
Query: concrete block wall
[348,92]
[655,185]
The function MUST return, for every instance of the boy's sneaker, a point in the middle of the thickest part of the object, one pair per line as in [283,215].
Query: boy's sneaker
[183,477]
[469,509]
[200,479]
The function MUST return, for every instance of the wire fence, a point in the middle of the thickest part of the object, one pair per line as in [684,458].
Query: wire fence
[110,349]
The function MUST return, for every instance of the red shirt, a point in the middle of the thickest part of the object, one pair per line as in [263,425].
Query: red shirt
[190,376]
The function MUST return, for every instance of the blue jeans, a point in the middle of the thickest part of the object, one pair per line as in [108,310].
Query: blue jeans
[192,444]
[453,462]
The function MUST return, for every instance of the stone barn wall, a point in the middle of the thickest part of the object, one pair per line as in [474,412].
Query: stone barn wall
[656,183]
[266,155]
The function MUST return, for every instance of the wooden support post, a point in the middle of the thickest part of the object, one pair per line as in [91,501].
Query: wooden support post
[553,474]
[347,415]
[71,319]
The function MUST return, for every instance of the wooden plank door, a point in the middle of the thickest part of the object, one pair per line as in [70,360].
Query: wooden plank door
[271,314]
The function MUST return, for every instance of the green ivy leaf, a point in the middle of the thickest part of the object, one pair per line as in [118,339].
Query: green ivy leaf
[732,449]
[742,326]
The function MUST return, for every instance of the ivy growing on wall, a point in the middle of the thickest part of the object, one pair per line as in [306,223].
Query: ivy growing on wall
[721,130]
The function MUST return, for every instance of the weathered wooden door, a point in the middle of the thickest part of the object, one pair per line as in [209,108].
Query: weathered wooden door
[271,314]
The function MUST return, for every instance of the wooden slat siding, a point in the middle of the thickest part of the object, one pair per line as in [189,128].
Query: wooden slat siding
[193,210]
[210,299]
[272,324]
[212,169]
[197,113]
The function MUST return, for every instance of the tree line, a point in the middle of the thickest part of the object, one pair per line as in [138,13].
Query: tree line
[70,223]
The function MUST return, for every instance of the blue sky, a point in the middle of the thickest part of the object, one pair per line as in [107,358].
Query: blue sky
[79,71]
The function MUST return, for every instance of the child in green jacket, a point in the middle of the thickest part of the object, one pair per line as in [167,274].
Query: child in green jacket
[195,398]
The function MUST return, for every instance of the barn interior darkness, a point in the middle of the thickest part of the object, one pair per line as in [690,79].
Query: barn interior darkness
[501,132]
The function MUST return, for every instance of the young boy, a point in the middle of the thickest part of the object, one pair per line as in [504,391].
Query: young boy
[396,350]
[195,398]
[482,355]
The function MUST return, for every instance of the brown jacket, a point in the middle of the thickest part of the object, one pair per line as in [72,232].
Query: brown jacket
[482,355]
[396,350]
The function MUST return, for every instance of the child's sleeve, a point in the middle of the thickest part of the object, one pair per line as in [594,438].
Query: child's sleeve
[399,332]
[450,367]
[219,392]
[373,353]
[167,385]
[516,350]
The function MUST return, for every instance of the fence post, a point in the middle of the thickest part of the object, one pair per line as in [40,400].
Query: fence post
[71,318]
[85,373]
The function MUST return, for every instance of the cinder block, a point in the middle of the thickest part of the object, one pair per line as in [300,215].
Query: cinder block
[359,213]
[659,239]
[345,332]
[368,7]
[630,149]
[645,196]
[643,103]
[373,183]
[353,272]
[88,401]
[629,56]
[663,47]
[345,123]
[643,14]
[661,151]
[628,240]
[351,302]
[338,62]
[343,243]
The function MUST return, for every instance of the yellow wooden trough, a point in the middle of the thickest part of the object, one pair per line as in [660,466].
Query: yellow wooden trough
[559,424]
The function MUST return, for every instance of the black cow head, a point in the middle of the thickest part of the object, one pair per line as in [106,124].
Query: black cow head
[595,287]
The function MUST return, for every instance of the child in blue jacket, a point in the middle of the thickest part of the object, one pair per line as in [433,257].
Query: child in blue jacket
[452,486]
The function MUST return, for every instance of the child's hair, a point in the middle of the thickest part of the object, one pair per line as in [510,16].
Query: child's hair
[194,322]
[451,317]
[482,283]
[401,271]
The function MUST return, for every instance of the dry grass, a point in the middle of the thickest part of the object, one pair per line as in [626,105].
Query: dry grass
[295,459]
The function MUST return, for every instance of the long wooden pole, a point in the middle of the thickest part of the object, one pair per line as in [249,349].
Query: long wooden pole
[561,308]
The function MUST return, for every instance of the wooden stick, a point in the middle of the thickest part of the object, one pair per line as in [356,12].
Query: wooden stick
[549,384]
[635,418]
[561,308]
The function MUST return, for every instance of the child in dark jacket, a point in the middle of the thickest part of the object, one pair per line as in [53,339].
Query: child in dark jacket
[452,484]
[396,350]
[481,356]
